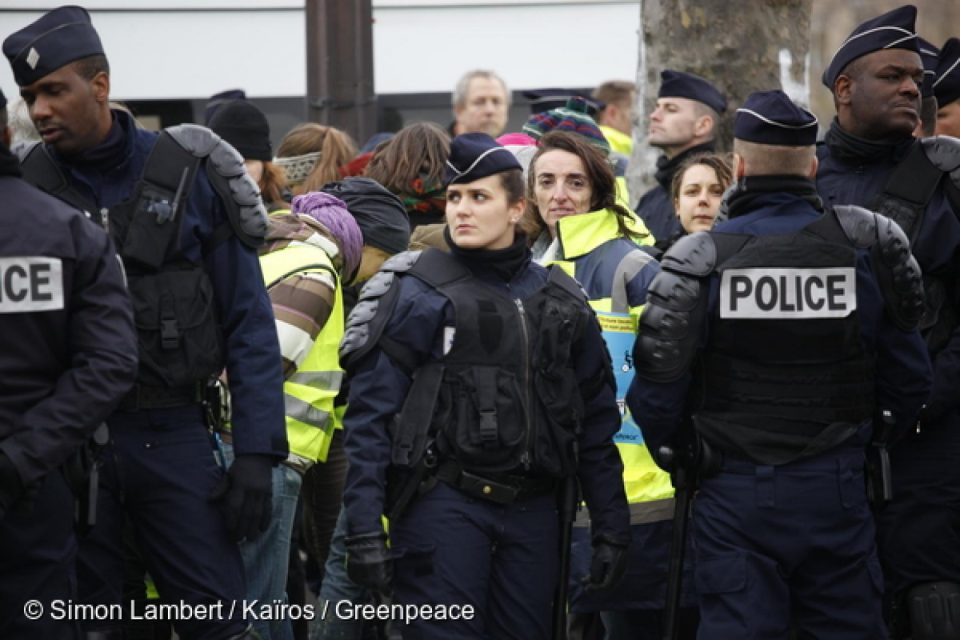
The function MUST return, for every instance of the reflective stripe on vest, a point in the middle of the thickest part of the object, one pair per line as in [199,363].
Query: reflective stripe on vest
[309,393]
[647,486]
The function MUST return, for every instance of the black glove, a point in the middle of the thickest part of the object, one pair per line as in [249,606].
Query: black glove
[368,561]
[607,564]
[244,494]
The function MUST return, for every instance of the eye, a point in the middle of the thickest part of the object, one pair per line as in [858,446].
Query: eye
[544,181]
[480,197]
[716,190]
[578,183]
[453,197]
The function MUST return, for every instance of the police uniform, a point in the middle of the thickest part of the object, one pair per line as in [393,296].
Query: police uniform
[67,347]
[185,220]
[798,337]
[655,207]
[497,373]
[909,180]
[946,83]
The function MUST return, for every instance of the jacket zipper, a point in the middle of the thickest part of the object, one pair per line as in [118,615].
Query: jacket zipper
[525,458]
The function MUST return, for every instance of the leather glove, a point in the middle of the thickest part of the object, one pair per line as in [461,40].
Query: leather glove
[607,564]
[369,563]
[244,494]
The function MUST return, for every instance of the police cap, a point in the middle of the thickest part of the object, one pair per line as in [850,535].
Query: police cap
[770,117]
[678,84]
[55,39]
[930,56]
[474,156]
[947,85]
[892,30]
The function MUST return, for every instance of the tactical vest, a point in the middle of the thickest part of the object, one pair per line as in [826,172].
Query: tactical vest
[785,375]
[309,393]
[504,398]
[932,164]
[180,341]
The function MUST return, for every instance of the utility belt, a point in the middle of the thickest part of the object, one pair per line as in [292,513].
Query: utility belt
[147,397]
[501,489]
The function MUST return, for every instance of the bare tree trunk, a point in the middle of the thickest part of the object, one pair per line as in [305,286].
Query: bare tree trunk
[740,47]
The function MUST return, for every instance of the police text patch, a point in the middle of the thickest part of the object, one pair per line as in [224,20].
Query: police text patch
[771,294]
[29,284]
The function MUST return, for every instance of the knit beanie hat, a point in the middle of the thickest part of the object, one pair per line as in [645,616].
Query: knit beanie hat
[573,118]
[380,214]
[245,127]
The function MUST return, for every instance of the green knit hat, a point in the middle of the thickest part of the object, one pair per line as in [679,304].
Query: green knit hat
[573,118]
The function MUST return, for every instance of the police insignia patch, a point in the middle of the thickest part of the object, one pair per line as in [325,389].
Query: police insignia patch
[787,294]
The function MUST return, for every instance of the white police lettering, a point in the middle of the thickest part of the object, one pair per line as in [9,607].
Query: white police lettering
[771,294]
[29,284]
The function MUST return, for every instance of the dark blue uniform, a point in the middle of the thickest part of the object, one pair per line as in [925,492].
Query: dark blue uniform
[159,467]
[766,533]
[920,529]
[67,356]
[501,558]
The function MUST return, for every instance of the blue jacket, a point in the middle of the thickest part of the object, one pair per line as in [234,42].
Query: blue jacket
[936,248]
[902,367]
[252,351]
[379,387]
[66,363]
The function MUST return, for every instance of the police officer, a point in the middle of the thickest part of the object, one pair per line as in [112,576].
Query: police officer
[946,88]
[683,124]
[871,159]
[801,323]
[67,346]
[496,372]
[185,219]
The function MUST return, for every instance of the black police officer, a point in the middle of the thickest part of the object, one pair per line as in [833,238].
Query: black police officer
[783,331]
[870,158]
[185,218]
[67,357]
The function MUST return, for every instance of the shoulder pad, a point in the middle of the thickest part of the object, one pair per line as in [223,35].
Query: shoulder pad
[899,274]
[669,326]
[401,262]
[943,152]
[238,191]
[858,224]
[377,299]
[695,255]
[200,141]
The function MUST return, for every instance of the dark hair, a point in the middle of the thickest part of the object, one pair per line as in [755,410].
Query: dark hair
[89,67]
[720,164]
[512,182]
[603,182]
[419,149]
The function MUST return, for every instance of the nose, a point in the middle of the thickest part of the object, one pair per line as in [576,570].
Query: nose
[40,109]
[559,193]
[657,115]
[910,87]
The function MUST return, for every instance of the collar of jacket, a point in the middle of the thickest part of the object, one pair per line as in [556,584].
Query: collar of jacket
[584,232]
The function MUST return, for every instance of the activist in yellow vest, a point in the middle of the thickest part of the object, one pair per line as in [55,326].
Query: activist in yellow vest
[615,273]
[309,393]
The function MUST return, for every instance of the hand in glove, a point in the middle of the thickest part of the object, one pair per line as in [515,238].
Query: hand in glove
[607,564]
[368,561]
[244,495]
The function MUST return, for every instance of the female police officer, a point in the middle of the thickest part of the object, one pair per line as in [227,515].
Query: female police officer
[479,381]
